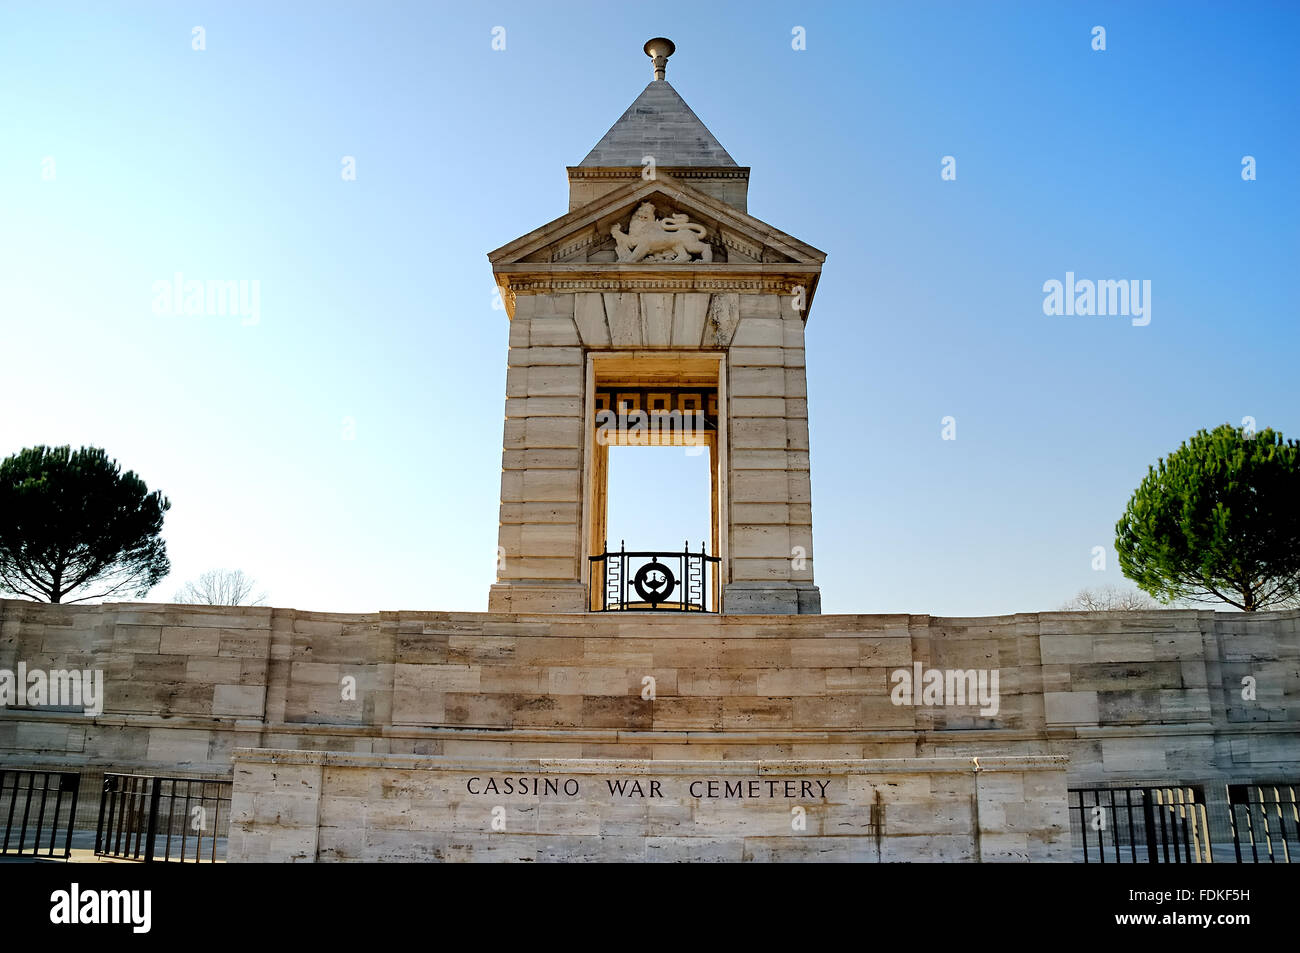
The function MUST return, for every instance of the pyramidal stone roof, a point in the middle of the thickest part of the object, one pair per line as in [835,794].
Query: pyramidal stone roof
[659,124]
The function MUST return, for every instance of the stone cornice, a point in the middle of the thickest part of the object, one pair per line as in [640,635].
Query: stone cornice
[830,625]
[686,271]
[644,736]
[677,172]
[554,278]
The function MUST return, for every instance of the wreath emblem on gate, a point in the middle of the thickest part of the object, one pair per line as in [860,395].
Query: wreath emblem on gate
[654,582]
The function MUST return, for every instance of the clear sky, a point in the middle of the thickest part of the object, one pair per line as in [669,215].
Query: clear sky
[127,156]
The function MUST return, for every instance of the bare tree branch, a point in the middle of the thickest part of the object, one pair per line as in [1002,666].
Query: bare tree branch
[1110,598]
[221,587]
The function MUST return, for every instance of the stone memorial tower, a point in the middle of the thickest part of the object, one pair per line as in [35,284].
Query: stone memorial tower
[657,311]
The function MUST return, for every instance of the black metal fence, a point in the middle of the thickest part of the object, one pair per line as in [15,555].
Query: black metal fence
[1139,825]
[39,810]
[163,819]
[1266,822]
[648,580]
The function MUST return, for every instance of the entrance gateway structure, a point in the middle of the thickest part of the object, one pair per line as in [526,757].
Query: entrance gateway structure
[658,311]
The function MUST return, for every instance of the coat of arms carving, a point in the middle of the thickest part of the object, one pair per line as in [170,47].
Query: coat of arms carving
[672,239]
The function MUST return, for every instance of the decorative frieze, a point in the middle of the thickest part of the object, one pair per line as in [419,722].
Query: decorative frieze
[542,283]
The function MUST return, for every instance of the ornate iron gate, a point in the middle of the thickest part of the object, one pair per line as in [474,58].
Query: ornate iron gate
[647,580]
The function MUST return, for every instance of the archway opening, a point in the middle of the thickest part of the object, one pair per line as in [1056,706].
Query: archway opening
[653,494]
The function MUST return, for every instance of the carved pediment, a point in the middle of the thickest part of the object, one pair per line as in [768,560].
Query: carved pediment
[663,221]
[656,237]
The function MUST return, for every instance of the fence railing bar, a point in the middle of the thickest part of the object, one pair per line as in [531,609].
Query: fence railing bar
[75,781]
[185,827]
[216,818]
[13,802]
[1083,822]
[40,814]
[1132,835]
[1295,811]
[1114,827]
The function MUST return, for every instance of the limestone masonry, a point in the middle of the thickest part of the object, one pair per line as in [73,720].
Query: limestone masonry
[1125,695]
[1150,697]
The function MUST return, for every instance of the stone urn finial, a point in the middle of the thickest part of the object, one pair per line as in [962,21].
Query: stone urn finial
[659,49]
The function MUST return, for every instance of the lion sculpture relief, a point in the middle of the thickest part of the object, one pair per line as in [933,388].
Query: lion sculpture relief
[671,239]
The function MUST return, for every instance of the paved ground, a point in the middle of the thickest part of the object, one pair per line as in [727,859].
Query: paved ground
[79,856]
[83,851]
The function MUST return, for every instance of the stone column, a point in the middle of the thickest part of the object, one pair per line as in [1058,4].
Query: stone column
[540,537]
[770,521]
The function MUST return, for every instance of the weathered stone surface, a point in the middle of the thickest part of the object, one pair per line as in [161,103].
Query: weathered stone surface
[656,319]
[689,312]
[623,313]
[536,684]
[590,317]
[697,664]
[384,808]
[723,316]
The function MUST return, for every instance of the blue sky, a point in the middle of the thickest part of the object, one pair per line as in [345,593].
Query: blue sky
[375,313]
